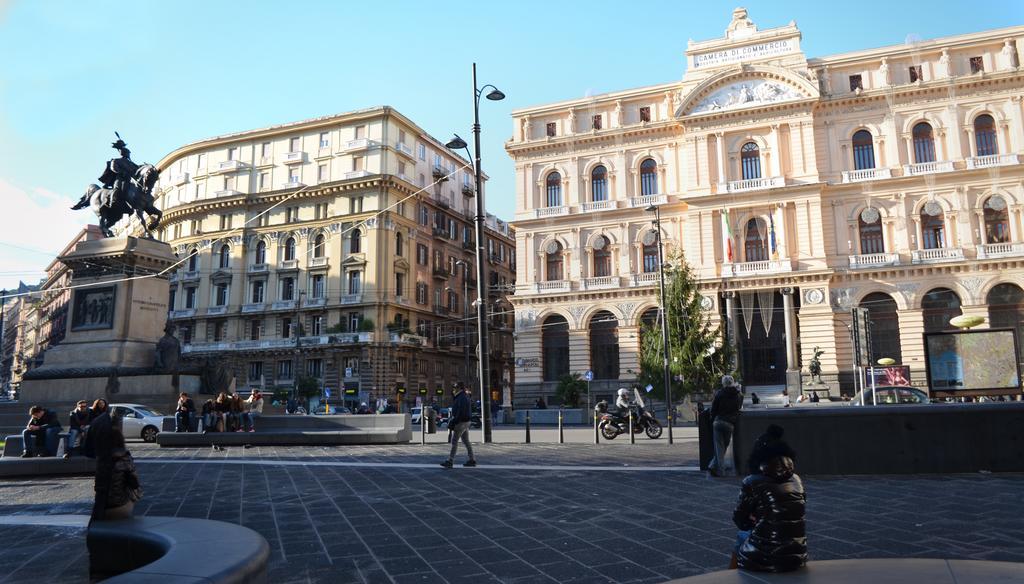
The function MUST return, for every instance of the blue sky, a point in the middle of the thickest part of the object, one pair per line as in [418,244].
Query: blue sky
[179,71]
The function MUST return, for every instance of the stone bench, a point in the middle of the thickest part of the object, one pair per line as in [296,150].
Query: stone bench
[14,445]
[46,466]
[173,549]
[304,430]
[876,571]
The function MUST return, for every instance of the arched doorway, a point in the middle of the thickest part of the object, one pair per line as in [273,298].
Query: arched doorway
[938,306]
[885,326]
[555,347]
[1006,310]
[604,345]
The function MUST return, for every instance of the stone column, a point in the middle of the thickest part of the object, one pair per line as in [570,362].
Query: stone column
[971,142]
[776,162]
[720,155]
[909,143]
[787,307]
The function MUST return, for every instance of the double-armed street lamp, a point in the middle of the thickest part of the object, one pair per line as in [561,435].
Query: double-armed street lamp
[458,143]
[666,374]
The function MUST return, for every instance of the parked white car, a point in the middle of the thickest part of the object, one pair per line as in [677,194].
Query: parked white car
[138,421]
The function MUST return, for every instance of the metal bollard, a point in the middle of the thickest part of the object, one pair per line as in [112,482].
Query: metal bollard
[561,432]
[670,428]
[597,432]
[423,427]
[632,436]
[527,426]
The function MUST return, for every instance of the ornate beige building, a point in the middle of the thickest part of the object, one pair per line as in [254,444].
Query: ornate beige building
[354,233]
[796,188]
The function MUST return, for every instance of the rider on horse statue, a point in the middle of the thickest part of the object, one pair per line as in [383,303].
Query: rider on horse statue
[115,178]
[127,189]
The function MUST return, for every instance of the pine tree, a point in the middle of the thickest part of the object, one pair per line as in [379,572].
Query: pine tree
[698,355]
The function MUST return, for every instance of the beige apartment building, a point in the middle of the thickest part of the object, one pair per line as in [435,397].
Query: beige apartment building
[340,247]
[797,188]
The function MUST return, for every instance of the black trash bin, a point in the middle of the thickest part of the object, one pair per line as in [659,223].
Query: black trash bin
[705,439]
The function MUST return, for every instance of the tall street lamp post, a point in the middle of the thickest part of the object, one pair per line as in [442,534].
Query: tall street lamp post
[458,143]
[666,374]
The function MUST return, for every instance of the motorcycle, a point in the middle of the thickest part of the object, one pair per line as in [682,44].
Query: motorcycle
[612,424]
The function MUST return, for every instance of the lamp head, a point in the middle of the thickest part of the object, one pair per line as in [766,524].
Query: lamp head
[456,143]
[495,95]
[651,208]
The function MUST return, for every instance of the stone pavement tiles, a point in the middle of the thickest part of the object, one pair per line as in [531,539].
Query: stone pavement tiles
[409,524]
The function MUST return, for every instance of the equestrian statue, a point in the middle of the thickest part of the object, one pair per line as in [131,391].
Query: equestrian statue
[127,188]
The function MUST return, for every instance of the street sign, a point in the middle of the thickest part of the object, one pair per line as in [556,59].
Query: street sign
[348,373]
[327,392]
[649,388]
[589,375]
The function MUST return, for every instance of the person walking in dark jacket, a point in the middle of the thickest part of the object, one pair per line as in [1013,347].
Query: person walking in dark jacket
[725,410]
[41,434]
[770,511]
[459,425]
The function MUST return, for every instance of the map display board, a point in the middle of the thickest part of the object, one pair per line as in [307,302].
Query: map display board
[982,362]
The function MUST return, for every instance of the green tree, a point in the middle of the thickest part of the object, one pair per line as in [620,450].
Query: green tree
[307,387]
[698,356]
[570,388]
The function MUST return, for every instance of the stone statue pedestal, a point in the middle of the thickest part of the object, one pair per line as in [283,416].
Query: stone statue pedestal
[116,313]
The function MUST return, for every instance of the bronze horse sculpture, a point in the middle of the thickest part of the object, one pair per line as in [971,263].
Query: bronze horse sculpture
[110,206]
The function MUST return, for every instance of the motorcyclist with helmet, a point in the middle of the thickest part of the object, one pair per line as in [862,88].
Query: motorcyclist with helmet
[623,404]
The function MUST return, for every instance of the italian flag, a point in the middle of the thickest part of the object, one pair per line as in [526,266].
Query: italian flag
[727,236]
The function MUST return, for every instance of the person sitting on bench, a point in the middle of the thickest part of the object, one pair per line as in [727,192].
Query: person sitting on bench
[770,512]
[42,433]
[78,425]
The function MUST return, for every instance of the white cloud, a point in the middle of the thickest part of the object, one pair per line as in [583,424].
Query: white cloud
[35,225]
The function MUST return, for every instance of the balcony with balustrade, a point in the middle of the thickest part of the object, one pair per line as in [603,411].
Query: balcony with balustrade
[755,184]
[761,268]
[216,310]
[975,162]
[293,183]
[404,150]
[644,201]
[289,265]
[271,344]
[190,276]
[229,166]
[178,179]
[259,268]
[923,168]
[874,260]
[552,286]
[937,255]
[253,307]
[989,251]
[601,283]
[592,206]
[227,193]
[293,157]
[644,279]
[866,174]
[357,174]
[351,298]
[360,144]
[314,302]
[284,305]
[545,212]
[318,262]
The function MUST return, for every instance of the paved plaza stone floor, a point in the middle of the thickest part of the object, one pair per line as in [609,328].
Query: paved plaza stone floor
[549,513]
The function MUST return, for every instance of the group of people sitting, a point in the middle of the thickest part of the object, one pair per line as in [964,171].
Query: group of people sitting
[227,413]
[41,436]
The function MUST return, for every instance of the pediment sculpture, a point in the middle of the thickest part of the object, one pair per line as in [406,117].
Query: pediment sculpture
[747,93]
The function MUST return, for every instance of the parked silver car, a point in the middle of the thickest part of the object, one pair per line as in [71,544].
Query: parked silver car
[138,421]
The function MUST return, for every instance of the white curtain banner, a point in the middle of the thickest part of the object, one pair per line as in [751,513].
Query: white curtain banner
[766,298]
[747,310]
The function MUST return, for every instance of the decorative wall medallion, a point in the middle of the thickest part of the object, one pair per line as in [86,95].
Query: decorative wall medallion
[650,238]
[841,297]
[551,247]
[972,284]
[996,203]
[577,312]
[627,309]
[814,296]
[600,242]
[707,303]
[747,94]
[932,208]
[870,215]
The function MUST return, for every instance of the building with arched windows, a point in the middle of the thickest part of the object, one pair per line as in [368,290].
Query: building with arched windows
[795,187]
[354,233]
